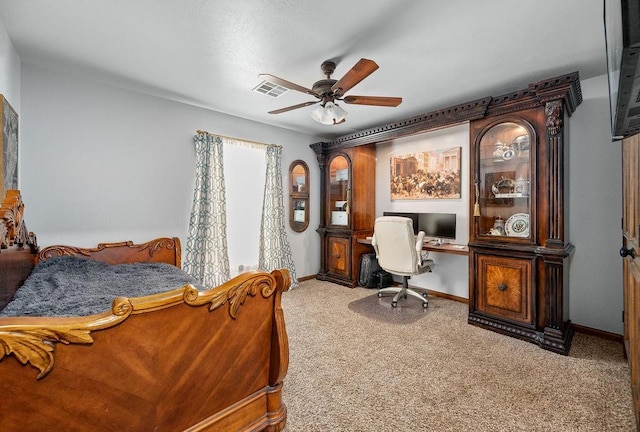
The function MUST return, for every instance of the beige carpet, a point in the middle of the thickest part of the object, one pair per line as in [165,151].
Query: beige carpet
[356,364]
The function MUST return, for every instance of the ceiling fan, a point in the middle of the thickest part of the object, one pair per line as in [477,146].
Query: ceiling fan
[328,91]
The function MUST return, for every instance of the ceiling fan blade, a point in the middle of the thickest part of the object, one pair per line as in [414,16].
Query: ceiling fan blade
[373,100]
[357,73]
[302,105]
[287,84]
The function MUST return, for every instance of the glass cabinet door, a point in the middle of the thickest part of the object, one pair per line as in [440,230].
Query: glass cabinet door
[339,191]
[505,182]
[298,196]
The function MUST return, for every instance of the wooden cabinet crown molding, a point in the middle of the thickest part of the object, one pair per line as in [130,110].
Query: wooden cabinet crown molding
[565,88]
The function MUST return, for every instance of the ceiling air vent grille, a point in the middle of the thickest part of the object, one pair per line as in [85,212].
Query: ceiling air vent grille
[270,89]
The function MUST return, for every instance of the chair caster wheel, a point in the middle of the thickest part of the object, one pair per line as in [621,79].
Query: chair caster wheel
[394,304]
[424,295]
[379,295]
[425,305]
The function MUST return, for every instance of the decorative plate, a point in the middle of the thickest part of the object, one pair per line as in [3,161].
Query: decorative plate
[517,225]
[521,143]
[508,154]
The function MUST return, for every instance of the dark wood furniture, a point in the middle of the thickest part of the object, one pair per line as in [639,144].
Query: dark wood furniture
[519,248]
[179,360]
[630,251]
[347,209]
[517,284]
[17,247]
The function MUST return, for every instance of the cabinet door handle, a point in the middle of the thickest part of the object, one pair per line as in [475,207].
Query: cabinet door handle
[337,255]
[502,287]
[627,252]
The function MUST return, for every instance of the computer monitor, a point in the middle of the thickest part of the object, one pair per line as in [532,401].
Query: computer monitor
[412,216]
[438,226]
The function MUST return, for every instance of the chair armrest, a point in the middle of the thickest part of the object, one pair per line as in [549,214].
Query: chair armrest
[419,239]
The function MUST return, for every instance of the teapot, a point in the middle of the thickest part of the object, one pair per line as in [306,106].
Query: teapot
[498,226]
[499,150]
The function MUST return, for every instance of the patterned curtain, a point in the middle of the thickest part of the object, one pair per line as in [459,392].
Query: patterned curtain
[275,251]
[207,259]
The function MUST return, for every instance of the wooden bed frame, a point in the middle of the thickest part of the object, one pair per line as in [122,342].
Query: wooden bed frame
[182,360]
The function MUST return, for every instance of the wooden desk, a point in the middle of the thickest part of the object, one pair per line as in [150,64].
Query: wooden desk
[444,248]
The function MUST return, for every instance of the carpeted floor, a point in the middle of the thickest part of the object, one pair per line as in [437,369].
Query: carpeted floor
[356,364]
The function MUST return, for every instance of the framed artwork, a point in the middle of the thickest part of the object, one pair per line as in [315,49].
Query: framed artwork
[9,145]
[433,174]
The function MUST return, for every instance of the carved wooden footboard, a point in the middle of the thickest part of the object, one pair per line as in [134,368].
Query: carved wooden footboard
[182,360]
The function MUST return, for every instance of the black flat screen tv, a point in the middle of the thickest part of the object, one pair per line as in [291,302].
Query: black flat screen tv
[622,44]
[438,226]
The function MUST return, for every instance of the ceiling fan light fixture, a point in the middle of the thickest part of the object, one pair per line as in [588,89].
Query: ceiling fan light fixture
[329,114]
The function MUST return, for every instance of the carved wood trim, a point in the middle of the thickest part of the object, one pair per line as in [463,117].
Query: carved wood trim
[554,114]
[565,88]
[152,248]
[32,340]
[11,212]
[507,328]
[172,244]
[432,120]
[13,229]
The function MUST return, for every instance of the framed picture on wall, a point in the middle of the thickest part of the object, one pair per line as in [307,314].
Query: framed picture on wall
[433,174]
[9,145]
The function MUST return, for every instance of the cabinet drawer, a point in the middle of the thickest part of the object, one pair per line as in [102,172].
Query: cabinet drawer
[504,287]
[339,256]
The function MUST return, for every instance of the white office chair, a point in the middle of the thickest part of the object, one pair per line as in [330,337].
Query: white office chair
[400,252]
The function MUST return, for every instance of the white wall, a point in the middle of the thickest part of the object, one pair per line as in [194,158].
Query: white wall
[451,273]
[101,164]
[595,203]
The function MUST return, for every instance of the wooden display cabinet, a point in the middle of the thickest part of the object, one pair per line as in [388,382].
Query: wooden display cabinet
[347,210]
[518,243]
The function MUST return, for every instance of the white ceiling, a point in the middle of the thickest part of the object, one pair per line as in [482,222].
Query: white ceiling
[432,53]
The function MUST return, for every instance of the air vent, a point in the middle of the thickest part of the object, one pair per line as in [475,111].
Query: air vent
[270,89]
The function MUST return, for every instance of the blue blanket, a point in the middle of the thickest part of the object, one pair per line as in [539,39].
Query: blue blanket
[73,286]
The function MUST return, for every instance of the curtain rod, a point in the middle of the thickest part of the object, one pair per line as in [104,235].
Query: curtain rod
[238,139]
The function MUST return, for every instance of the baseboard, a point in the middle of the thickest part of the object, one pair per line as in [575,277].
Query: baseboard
[448,296]
[306,278]
[600,333]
